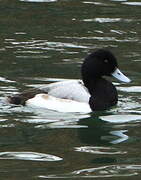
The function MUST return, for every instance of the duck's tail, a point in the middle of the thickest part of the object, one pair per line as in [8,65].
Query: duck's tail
[15,100]
[23,97]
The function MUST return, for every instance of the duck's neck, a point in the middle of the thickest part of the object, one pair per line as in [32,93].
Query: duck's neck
[103,93]
[91,84]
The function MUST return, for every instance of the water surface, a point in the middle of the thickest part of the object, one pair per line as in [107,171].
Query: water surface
[43,41]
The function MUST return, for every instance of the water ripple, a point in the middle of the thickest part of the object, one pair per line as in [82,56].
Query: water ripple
[121,118]
[38,48]
[32,156]
[110,20]
[2,79]
[73,123]
[103,20]
[98,150]
[125,106]
[121,136]
[95,3]
[122,170]
[43,44]
[105,38]
[133,89]
[38,0]
[119,0]
[132,3]
[109,171]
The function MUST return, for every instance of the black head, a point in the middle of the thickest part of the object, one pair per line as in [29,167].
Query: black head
[103,93]
[99,63]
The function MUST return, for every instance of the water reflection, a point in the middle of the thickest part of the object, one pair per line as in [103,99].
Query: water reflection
[121,118]
[62,124]
[132,89]
[90,133]
[109,171]
[121,134]
[30,156]
[99,133]
[132,3]
[38,0]
[2,79]
[92,129]
[103,20]
[50,38]
[95,3]
[99,150]
[102,171]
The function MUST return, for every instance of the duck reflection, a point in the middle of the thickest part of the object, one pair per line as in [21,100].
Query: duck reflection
[91,128]
[99,132]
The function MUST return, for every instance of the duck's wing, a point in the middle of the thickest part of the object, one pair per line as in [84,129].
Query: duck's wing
[70,89]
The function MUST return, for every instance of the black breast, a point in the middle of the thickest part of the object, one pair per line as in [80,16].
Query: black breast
[104,95]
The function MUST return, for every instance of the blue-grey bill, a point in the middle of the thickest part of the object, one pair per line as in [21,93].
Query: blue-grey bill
[120,76]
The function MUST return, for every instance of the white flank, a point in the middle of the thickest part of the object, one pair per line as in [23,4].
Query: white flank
[58,104]
[70,89]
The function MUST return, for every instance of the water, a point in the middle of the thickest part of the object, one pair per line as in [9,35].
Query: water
[43,41]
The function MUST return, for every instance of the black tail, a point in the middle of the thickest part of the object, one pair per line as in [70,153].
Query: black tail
[15,100]
[23,97]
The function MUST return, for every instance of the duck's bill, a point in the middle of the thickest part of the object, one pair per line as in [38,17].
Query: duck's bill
[120,76]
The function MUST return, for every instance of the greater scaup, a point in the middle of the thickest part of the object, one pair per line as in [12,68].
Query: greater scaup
[92,93]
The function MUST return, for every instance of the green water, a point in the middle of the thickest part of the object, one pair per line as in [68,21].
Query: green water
[42,41]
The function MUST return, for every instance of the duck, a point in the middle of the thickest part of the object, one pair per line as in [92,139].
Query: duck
[93,93]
